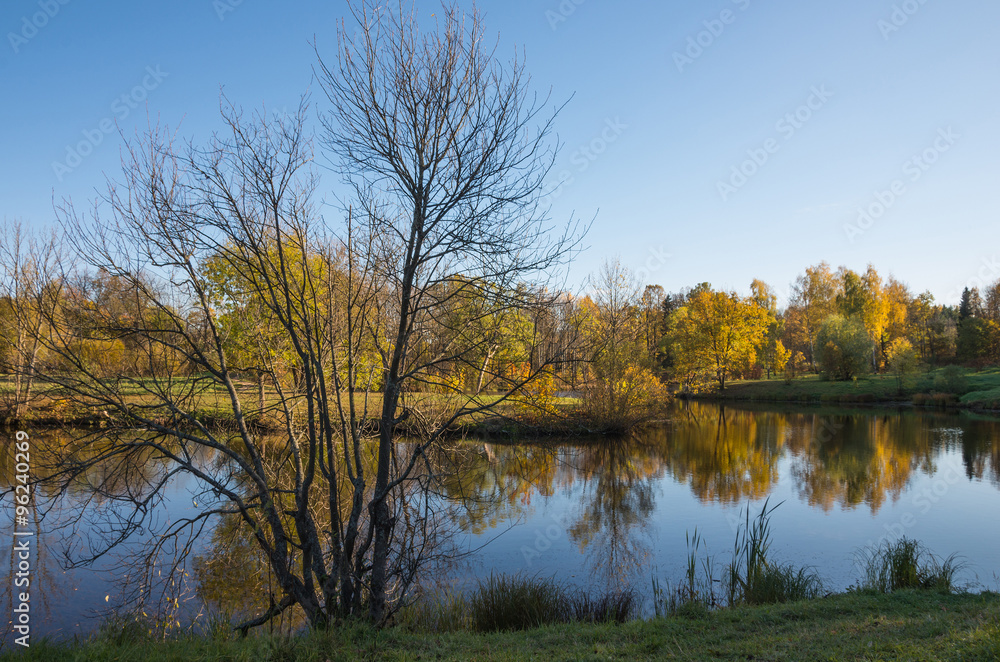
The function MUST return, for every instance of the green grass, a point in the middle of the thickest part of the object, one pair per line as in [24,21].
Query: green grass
[212,404]
[969,388]
[906,625]
[517,602]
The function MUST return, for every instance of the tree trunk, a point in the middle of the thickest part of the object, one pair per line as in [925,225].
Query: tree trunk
[482,371]
[26,383]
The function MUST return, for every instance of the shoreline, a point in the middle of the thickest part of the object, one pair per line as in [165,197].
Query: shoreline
[907,624]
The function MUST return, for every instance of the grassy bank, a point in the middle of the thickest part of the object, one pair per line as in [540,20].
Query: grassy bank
[210,405]
[933,388]
[906,625]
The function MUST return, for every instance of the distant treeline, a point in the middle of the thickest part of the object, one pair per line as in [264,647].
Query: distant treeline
[841,323]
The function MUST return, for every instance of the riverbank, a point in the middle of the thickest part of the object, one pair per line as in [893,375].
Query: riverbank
[939,388]
[906,625]
[510,418]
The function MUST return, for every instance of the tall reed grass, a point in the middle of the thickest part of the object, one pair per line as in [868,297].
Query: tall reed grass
[754,579]
[905,563]
[751,577]
[518,602]
[697,593]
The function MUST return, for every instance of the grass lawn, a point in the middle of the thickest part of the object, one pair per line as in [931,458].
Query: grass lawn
[211,401]
[976,389]
[906,625]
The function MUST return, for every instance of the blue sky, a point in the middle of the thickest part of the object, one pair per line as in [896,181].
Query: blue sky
[715,141]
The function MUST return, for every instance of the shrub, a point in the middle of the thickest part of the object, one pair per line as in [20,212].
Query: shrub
[902,361]
[516,602]
[941,400]
[538,396]
[951,379]
[944,400]
[618,404]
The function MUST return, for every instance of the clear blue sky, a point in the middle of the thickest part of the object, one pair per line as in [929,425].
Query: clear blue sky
[664,120]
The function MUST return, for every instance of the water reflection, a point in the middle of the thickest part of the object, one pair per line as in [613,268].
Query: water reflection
[616,498]
[725,455]
[728,456]
[610,527]
[832,459]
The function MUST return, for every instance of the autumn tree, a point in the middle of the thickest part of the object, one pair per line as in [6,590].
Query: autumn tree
[771,353]
[933,328]
[861,298]
[814,299]
[719,332]
[623,390]
[257,344]
[898,325]
[844,347]
[30,284]
[991,302]
[651,305]
[492,345]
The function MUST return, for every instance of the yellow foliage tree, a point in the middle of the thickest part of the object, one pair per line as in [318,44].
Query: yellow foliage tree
[720,332]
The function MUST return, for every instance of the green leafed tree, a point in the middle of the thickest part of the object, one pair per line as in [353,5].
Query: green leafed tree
[844,348]
[903,361]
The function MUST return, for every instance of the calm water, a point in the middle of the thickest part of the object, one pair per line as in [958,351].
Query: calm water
[616,512]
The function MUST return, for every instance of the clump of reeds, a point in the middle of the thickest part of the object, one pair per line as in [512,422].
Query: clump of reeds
[905,563]
[518,602]
[754,579]
[696,594]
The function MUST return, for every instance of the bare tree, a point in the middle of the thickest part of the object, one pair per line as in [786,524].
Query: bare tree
[445,154]
[237,284]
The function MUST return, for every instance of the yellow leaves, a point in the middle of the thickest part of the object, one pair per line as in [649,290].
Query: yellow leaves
[538,395]
[719,331]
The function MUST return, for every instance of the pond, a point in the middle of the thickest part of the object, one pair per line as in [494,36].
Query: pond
[610,513]
[620,512]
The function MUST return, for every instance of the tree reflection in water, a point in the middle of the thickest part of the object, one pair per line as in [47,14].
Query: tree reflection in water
[611,527]
[724,455]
